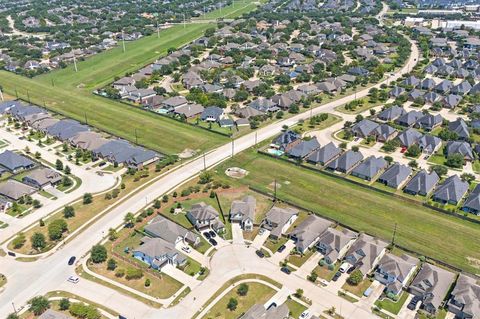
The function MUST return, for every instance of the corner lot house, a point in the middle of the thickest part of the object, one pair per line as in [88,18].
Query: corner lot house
[204,216]
[395,272]
[278,220]
[15,162]
[334,244]
[451,191]
[161,227]
[157,253]
[432,284]
[307,233]
[258,311]
[465,299]
[365,253]
[52,314]
[243,212]
[42,177]
[15,190]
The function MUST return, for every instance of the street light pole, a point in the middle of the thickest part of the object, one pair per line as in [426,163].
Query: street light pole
[14,309]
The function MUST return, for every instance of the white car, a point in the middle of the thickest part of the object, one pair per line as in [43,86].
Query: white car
[73,279]
[323,282]
[186,249]
[304,315]
[344,267]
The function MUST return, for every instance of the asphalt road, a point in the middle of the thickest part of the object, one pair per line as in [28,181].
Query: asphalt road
[26,280]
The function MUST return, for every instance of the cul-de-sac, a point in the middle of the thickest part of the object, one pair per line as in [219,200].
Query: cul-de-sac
[240,159]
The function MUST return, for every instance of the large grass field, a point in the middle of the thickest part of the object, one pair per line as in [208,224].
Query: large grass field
[420,229]
[70,93]
[232,11]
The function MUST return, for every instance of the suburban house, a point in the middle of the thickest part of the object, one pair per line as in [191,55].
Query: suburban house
[278,220]
[432,284]
[472,204]
[333,244]
[422,183]
[15,162]
[42,177]
[52,314]
[258,311]
[157,252]
[451,191]
[364,128]
[204,216]
[409,137]
[189,110]
[212,114]
[120,151]
[243,212]
[370,168]
[461,128]
[409,119]
[324,154]
[65,129]
[15,190]
[395,175]
[307,233]
[465,298]
[391,113]
[87,140]
[365,253]
[304,148]
[161,227]
[346,161]
[429,144]
[459,147]
[395,272]
[286,140]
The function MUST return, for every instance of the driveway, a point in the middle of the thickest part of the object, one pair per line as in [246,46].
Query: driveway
[309,265]
[194,254]
[237,234]
[179,275]
[279,257]
[377,289]
[53,191]
[260,239]
[280,297]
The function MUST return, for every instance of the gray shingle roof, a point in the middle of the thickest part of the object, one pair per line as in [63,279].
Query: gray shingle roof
[395,175]
[346,161]
[467,294]
[409,118]
[334,241]
[370,167]
[15,190]
[451,190]
[409,137]
[13,161]
[364,128]
[460,127]
[65,129]
[429,143]
[422,183]
[391,113]
[324,154]
[304,148]
[308,231]
[162,227]
[458,147]
[364,252]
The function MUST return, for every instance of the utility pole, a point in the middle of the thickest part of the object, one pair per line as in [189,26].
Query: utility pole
[86,119]
[204,162]
[1,95]
[274,190]
[16,92]
[28,95]
[158,31]
[75,62]
[233,146]
[184,21]
[394,234]
[136,137]
[123,41]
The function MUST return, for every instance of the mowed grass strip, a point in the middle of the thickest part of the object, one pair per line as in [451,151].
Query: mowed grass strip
[129,122]
[423,230]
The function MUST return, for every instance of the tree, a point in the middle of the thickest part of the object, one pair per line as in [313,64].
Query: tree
[67,170]
[38,241]
[388,159]
[81,310]
[112,234]
[13,316]
[64,304]
[467,177]
[68,211]
[39,305]
[66,181]
[232,304]
[358,118]
[440,170]
[355,277]
[87,198]
[111,264]
[129,220]
[413,164]
[59,165]
[355,148]
[19,240]
[205,177]
[313,276]
[455,160]
[242,289]
[413,151]
[56,229]
[299,293]
[98,254]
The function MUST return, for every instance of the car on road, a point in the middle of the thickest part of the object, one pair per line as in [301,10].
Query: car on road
[260,253]
[304,314]
[213,242]
[323,282]
[344,267]
[281,248]
[336,276]
[71,261]
[187,249]
[412,305]
[212,234]
[286,270]
[73,279]
[207,235]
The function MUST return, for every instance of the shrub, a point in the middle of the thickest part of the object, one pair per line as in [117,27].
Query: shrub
[232,304]
[98,254]
[242,289]
[147,282]
[355,277]
[56,229]
[19,241]
[82,310]
[64,304]
[87,198]
[133,273]
[120,273]
[39,305]
[111,264]
[38,241]
[68,212]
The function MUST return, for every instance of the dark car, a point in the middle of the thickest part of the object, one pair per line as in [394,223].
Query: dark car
[212,234]
[351,269]
[207,235]
[281,248]
[260,253]
[412,305]
[71,261]
[212,241]
[286,270]
[272,305]
[336,276]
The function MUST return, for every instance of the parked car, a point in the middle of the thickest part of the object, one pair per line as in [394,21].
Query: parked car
[187,249]
[336,276]
[272,305]
[368,292]
[286,270]
[73,279]
[344,267]
[323,282]
[212,234]
[304,314]
[281,248]
[71,261]
[351,269]
[207,235]
[213,242]
[260,253]
[403,150]
[412,305]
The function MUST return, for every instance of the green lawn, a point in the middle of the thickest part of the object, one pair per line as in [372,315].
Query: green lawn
[273,244]
[418,228]
[232,11]
[295,308]
[392,306]
[359,289]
